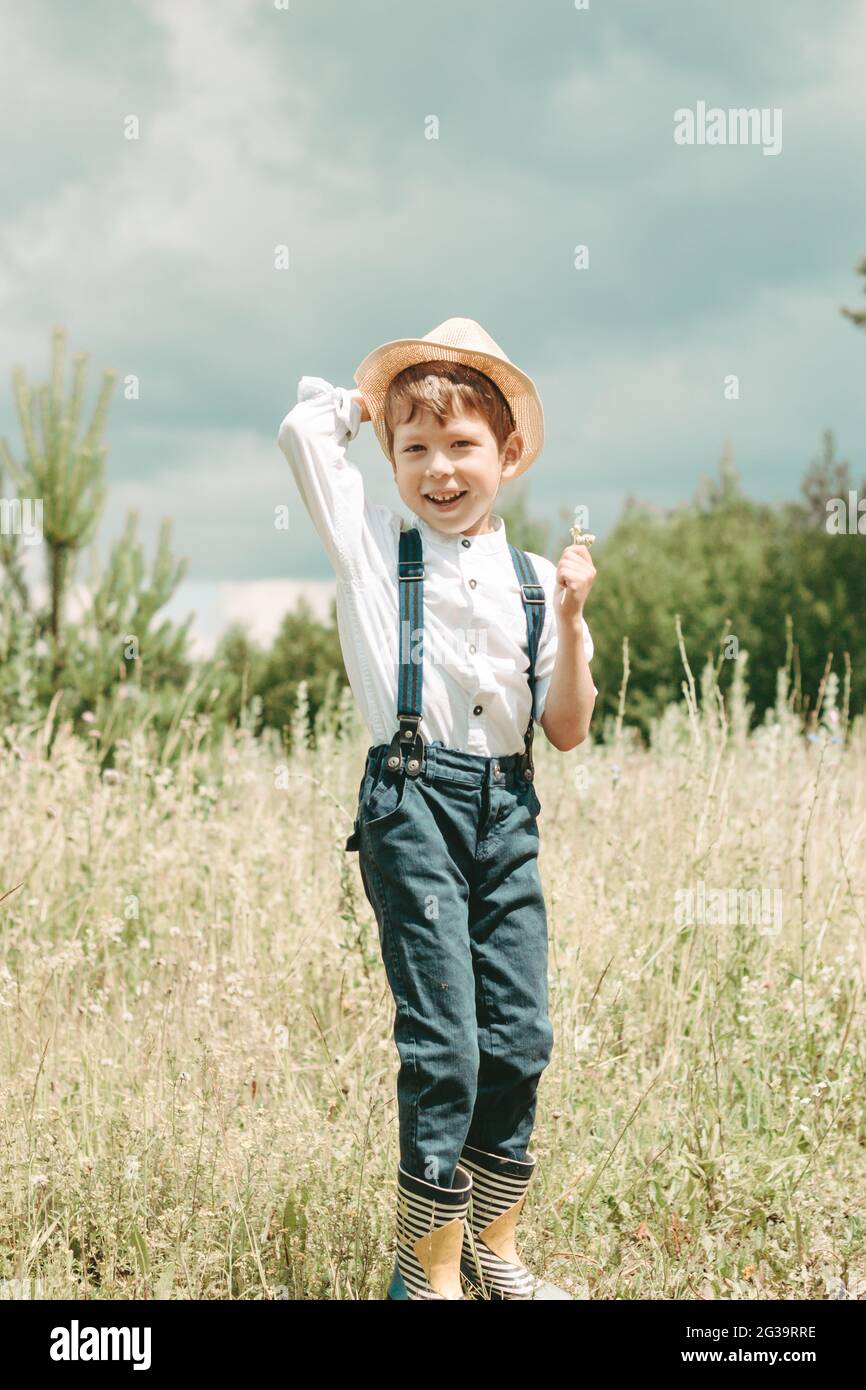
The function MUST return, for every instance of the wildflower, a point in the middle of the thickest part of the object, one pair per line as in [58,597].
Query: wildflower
[111,776]
[38,1180]
[88,716]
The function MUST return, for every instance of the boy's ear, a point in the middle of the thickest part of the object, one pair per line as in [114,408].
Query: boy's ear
[511,453]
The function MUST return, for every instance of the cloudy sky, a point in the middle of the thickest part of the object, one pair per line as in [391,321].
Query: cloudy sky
[303,124]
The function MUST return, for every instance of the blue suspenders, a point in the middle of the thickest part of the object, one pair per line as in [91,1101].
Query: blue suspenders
[532,594]
[410,568]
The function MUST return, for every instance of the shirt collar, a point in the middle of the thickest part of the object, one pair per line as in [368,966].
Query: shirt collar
[490,543]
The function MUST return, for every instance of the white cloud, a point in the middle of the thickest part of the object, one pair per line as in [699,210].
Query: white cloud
[200,199]
[257,130]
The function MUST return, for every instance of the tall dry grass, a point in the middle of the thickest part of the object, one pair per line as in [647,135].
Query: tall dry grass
[196,1062]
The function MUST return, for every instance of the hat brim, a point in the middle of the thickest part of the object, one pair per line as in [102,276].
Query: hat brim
[378,369]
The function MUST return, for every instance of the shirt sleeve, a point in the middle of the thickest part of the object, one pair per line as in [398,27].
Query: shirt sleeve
[313,437]
[545,658]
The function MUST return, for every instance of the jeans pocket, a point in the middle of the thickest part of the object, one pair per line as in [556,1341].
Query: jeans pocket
[382,800]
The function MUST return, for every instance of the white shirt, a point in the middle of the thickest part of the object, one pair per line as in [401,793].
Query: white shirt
[475,691]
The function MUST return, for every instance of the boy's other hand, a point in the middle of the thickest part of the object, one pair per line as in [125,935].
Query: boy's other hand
[575,575]
[357,396]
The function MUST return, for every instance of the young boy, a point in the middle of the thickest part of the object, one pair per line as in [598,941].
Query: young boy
[451,645]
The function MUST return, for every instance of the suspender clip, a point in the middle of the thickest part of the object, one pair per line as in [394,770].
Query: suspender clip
[407,739]
[533,593]
[527,767]
[410,569]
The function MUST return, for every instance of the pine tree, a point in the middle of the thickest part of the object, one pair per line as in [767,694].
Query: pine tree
[113,646]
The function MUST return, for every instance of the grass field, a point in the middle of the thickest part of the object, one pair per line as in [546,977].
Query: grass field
[197,1071]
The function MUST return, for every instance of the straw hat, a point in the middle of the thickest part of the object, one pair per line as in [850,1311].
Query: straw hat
[455,340]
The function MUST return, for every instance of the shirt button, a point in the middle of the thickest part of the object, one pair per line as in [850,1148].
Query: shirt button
[477,709]
[472,583]
[466,543]
[472,649]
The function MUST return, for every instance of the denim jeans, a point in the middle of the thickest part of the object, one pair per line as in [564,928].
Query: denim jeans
[449,863]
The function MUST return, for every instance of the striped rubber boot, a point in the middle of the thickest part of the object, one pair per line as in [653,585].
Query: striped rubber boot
[430,1227]
[490,1263]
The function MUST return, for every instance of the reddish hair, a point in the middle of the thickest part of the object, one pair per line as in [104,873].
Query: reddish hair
[445,389]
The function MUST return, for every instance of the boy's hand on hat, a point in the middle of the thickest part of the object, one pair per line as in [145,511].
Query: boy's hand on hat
[575,576]
[358,396]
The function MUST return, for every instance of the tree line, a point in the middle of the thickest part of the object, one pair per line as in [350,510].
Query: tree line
[783,583]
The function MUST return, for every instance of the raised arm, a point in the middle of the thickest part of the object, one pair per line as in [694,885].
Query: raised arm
[314,438]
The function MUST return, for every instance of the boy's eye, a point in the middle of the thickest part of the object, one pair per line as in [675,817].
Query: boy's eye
[457,443]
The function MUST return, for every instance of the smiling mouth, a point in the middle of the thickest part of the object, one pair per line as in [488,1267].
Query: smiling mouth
[444,500]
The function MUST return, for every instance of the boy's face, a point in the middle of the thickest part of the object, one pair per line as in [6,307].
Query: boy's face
[457,458]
